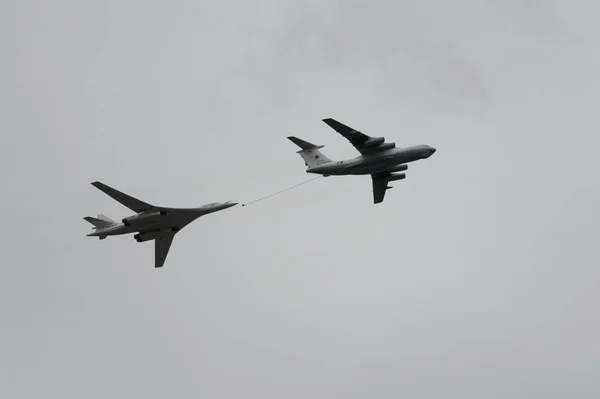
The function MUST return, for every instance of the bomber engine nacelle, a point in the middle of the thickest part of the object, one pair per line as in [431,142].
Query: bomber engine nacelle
[137,219]
[399,176]
[374,142]
[151,235]
[399,168]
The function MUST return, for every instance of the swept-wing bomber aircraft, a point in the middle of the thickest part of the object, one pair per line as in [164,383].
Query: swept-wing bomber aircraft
[150,222]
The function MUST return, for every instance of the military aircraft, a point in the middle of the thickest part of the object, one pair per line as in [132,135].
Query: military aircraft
[150,222]
[378,158]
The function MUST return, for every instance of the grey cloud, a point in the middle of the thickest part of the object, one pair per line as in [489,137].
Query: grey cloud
[388,39]
[476,278]
[533,17]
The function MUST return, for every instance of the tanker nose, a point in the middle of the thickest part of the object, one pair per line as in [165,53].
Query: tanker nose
[429,152]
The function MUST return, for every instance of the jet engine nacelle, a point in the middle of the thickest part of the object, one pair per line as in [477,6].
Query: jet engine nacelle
[151,235]
[137,219]
[374,142]
[398,168]
[399,176]
[386,146]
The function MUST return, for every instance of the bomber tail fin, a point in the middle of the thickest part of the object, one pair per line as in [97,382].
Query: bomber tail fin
[310,152]
[100,222]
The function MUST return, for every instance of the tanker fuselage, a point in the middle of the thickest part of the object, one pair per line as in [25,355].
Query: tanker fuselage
[388,160]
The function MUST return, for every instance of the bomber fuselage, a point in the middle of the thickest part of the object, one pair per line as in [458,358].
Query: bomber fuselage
[157,220]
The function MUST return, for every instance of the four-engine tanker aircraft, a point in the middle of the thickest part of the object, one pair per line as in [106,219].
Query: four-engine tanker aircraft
[150,222]
[378,158]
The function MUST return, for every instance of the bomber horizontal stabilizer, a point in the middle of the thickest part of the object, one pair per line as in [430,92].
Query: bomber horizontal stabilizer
[98,223]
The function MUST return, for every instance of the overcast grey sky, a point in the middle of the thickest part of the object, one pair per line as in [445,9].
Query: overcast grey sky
[476,278]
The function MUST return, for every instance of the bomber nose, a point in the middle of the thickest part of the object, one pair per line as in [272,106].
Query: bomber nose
[229,204]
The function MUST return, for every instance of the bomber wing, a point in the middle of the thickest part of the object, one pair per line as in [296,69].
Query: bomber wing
[161,248]
[356,138]
[132,203]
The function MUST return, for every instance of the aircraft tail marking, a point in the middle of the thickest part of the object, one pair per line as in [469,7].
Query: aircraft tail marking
[310,152]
